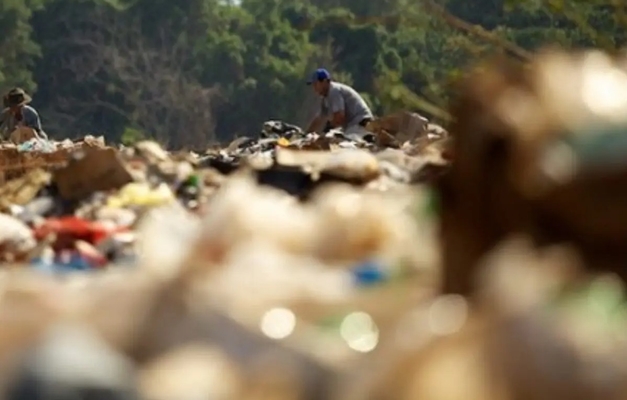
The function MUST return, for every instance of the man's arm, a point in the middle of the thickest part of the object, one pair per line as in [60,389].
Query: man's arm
[337,109]
[32,120]
[316,124]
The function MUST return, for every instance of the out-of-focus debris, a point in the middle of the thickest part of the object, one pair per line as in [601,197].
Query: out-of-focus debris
[22,190]
[223,250]
[16,239]
[193,371]
[73,363]
[537,152]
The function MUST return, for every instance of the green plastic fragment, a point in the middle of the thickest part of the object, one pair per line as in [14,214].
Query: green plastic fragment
[193,180]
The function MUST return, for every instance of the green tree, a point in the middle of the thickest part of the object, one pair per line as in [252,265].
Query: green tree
[191,71]
[18,50]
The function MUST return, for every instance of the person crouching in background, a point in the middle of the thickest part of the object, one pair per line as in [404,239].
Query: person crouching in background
[20,122]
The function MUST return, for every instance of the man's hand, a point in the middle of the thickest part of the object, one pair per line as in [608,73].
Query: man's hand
[338,120]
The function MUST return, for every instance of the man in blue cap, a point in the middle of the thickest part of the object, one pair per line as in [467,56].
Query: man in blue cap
[341,106]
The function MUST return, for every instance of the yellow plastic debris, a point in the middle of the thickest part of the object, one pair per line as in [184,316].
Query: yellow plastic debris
[140,194]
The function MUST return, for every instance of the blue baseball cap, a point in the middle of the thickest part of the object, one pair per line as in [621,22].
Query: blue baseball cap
[320,74]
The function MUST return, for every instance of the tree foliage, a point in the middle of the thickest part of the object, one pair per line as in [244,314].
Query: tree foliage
[189,72]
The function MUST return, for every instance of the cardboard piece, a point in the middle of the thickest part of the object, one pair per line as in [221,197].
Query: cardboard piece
[14,164]
[402,125]
[97,170]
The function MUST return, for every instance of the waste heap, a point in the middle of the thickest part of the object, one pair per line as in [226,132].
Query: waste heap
[280,242]
[399,148]
[299,266]
[78,200]
[17,159]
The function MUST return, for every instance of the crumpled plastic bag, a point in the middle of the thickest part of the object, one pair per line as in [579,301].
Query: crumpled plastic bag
[16,238]
[36,145]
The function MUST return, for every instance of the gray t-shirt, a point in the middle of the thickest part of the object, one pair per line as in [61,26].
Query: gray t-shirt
[30,118]
[344,98]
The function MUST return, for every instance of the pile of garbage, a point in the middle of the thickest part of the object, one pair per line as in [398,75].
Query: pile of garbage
[313,229]
[75,206]
[399,148]
[294,265]
[17,159]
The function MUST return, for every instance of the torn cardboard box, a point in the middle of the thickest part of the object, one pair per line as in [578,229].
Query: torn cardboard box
[97,170]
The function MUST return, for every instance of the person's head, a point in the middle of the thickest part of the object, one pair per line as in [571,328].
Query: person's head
[16,99]
[320,81]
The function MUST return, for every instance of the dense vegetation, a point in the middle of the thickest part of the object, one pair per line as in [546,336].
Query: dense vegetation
[188,72]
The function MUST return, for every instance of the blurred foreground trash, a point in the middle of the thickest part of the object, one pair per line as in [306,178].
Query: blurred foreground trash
[72,363]
[538,150]
[395,263]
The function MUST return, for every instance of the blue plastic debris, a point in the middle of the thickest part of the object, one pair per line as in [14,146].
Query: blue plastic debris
[369,273]
[78,262]
[67,262]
